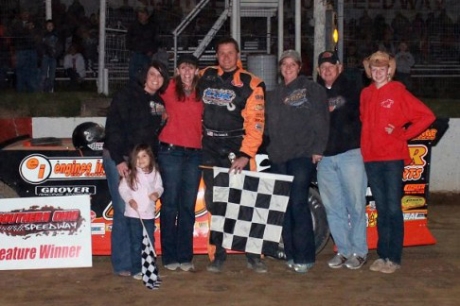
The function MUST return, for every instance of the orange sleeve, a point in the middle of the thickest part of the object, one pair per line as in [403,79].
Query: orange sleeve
[254,118]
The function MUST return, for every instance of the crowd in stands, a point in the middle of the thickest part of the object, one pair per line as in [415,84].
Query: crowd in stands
[429,37]
[34,48]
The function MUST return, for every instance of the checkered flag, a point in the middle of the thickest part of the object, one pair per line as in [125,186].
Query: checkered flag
[150,276]
[249,210]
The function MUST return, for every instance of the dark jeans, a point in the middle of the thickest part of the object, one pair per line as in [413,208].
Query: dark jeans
[298,234]
[385,180]
[215,153]
[136,237]
[181,176]
[48,73]
[120,255]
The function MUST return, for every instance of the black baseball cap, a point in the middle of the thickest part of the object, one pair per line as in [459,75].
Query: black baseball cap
[329,57]
[188,58]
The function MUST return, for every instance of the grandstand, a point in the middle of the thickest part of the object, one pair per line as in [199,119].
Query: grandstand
[431,29]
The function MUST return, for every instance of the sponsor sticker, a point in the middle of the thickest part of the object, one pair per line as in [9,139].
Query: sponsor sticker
[414,188]
[98,228]
[64,190]
[411,202]
[37,168]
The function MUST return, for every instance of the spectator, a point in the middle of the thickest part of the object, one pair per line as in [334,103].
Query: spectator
[23,31]
[89,40]
[391,116]
[76,10]
[386,44]
[352,64]
[142,41]
[342,178]
[125,11]
[404,63]
[297,128]
[74,65]
[417,35]
[52,49]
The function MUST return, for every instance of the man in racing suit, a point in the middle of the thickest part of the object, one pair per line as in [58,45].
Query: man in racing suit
[233,124]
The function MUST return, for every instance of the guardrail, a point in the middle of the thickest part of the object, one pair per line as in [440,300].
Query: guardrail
[448,70]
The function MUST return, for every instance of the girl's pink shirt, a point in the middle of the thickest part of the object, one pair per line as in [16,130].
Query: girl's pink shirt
[147,183]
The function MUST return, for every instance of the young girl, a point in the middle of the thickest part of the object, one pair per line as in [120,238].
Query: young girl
[140,189]
[391,116]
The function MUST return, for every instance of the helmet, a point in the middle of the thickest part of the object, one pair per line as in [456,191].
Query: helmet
[88,136]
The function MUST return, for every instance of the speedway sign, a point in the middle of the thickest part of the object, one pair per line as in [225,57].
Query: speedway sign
[45,232]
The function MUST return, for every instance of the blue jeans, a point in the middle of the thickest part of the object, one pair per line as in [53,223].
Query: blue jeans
[342,184]
[121,259]
[26,71]
[137,62]
[298,235]
[136,237]
[385,180]
[181,176]
[48,73]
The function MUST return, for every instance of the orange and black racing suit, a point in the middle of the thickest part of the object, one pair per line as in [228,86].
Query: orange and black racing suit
[233,122]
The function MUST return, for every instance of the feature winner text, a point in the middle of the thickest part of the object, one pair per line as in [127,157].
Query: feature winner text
[47,251]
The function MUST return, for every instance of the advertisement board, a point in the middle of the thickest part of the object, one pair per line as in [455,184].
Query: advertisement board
[45,232]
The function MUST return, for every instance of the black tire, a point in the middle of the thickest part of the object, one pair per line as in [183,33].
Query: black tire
[320,226]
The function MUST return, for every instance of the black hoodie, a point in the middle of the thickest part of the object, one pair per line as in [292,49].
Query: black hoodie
[132,119]
[345,124]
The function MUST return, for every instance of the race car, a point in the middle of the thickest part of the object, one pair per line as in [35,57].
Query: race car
[50,166]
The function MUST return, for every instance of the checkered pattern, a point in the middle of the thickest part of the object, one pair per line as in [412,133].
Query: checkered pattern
[150,275]
[249,210]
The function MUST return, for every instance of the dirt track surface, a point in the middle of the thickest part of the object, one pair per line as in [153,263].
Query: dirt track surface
[430,275]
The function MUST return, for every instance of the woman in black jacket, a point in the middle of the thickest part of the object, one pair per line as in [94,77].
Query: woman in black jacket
[134,117]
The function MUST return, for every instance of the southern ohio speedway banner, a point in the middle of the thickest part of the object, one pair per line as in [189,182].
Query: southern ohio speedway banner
[45,232]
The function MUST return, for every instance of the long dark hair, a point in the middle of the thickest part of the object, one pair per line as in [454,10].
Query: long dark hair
[180,90]
[131,179]
[161,68]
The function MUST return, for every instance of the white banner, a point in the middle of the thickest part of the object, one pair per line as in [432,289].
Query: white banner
[45,232]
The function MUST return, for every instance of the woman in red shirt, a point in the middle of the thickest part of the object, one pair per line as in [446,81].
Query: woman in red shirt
[179,157]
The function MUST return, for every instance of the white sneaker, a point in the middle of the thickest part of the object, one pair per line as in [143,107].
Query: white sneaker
[138,276]
[187,267]
[378,265]
[172,266]
[390,267]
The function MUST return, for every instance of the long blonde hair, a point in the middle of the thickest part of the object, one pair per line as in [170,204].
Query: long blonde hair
[131,178]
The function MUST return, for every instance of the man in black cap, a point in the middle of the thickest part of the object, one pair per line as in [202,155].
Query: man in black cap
[342,178]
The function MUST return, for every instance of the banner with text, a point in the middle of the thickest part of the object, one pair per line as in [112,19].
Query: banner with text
[45,232]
